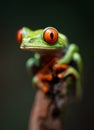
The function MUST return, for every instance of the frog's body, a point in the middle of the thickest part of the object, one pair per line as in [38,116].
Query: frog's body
[53,57]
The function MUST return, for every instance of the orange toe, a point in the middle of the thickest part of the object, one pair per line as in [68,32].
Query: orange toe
[45,89]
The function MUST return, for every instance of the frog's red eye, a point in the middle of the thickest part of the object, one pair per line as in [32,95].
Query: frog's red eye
[50,35]
[19,35]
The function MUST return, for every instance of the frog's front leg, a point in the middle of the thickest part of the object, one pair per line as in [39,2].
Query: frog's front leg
[33,63]
[33,60]
[72,54]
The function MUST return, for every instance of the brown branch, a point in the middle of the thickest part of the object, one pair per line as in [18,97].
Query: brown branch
[48,109]
[44,115]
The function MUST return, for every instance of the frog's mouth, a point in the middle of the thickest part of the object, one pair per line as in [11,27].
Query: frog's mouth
[41,49]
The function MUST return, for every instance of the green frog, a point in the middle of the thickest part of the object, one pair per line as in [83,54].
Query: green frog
[54,59]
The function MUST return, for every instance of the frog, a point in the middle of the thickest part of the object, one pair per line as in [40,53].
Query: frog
[54,58]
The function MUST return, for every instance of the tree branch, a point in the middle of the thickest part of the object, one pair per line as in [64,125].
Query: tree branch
[44,115]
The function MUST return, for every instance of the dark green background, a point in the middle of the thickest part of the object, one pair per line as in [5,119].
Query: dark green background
[74,19]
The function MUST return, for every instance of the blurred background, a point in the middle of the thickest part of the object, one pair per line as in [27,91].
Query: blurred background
[74,19]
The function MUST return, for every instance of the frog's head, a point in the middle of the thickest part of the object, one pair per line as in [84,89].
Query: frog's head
[42,40]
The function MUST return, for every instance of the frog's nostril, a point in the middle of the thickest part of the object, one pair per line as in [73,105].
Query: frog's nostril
[19,35]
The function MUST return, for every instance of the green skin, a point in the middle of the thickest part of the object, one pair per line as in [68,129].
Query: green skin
[34,41]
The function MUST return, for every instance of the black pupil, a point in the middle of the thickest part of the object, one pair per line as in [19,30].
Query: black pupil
[51,35]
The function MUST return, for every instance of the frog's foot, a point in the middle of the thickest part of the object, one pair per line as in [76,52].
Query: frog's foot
[41,79]
[40,84]
[47,76]
[60,69]
[60,75]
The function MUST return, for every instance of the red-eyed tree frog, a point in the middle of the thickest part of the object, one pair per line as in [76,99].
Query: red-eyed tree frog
[54,59]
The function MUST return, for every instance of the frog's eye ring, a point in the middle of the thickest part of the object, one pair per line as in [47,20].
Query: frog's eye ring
[50,35]
[19,35]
